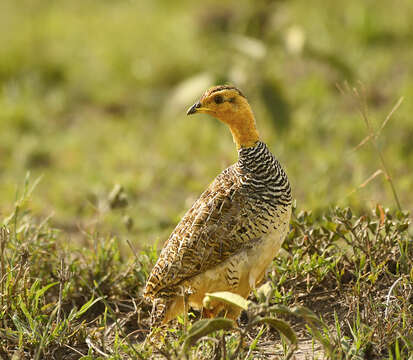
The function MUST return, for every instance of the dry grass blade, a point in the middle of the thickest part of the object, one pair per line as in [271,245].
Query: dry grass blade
[373,135]
[372,177]
[93,346]
[376,173]
[4,234]
[389,295]
[362,142]
[389,115]
[361,98]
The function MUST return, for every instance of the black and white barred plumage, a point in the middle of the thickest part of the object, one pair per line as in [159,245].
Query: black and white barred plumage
[262,173]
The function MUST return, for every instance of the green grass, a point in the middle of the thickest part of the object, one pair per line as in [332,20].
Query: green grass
[342,281]
[92,104]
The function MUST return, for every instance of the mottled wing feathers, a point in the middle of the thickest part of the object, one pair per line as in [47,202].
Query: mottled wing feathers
[209,233]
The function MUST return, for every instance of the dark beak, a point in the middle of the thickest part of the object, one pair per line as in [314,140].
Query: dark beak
[193,109]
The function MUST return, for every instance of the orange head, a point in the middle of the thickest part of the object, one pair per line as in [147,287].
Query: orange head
[228,104]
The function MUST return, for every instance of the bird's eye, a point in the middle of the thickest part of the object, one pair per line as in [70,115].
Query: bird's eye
[218,99]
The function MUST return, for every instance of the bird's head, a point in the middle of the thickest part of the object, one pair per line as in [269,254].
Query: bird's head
[229,105]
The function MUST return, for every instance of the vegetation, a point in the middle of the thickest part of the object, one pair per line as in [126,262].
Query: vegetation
[354,273]
[92,105]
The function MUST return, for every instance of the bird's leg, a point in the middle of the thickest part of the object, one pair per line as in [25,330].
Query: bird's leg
[185,295]
[158,313]
[207,313]
[232,312]
[159,308]
[213,311]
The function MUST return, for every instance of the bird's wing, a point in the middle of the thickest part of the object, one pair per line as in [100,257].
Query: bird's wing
[217,226]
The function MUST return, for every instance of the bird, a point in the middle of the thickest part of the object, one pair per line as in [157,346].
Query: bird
[231,234]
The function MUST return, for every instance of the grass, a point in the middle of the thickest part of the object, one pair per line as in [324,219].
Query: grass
[92,104]
[62,300]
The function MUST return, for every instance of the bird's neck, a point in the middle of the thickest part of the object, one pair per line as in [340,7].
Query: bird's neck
[243,128]
[251,157]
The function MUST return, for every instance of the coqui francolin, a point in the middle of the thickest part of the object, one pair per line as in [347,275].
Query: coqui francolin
[230,235]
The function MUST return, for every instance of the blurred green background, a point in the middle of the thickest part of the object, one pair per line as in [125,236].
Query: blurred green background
[94,94]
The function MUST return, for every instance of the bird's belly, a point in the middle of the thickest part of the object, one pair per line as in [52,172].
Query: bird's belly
[242,271]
